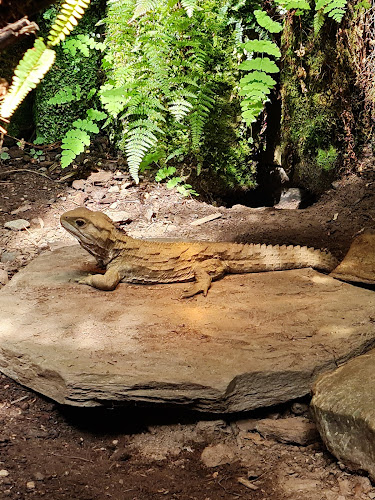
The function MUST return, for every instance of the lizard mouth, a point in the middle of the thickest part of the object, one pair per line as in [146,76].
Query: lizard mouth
[75,232]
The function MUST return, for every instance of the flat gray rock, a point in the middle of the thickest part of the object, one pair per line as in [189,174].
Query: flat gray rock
[255,340]
[344,408]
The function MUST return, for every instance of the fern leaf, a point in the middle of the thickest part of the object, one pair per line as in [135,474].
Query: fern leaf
[29,72]
[65,95]
[142,7]
[137,143]
[318,21]
[294,4]
[265,46]
[258,76]
[72,145]
[88,125]
[266,22]
[66,20]
[95,114]
[189,6]
[259,64]
[335,4]
[180,108]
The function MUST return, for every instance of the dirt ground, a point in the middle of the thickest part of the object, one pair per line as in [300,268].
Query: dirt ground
[53,452]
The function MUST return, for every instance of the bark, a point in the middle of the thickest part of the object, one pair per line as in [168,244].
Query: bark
[14,22]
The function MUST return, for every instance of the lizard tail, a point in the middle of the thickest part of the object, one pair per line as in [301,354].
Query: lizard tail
[258,258]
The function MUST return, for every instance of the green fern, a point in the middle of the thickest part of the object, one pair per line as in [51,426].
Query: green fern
[180,108]
[142,7]
[77,139]
[73,144]
[319,18]
[335,9]
[294,5]
[260,64]
[63,96]
[257,85]
[264,46]
[189,6]
[264,20]
[66,20]
[29,72]
[138,142]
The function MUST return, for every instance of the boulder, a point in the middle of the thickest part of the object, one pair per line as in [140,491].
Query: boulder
[344,408]
[256,340]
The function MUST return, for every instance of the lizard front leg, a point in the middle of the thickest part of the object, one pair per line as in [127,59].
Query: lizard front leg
[204,273]
[107,281]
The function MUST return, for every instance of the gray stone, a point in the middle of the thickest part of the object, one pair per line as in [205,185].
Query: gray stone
[8,257]
[290,199]
[297,430]
[255,340]
[344,408]
[17,225]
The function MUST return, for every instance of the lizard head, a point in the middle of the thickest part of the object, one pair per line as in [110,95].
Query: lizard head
[92,229]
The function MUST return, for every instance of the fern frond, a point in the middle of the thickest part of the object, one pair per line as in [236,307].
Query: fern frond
[29,72]
[180,108]
[189,6]
[72,145]
[67,18]
[87,125]
[294,4]
[318,21]
[259,64]
[142,7]
[137,143]
[258,76]
[265,46]
[266,22]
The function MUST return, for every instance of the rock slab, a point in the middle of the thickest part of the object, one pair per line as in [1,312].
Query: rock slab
[255,340]
[344,408]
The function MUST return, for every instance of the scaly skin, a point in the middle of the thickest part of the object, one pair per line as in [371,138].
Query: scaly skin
[137,261]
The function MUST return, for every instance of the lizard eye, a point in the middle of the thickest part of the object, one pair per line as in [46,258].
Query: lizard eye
[80,222]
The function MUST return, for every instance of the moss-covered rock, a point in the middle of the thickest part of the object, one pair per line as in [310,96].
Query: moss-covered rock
[316,86]
[79,72]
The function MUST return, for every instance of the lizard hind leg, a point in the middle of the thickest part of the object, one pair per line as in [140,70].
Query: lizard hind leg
[204,273]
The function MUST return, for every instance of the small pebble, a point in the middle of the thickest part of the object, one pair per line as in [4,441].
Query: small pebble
[30,485]
[4,473]
[17,225]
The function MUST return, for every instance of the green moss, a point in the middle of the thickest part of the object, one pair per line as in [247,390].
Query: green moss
[53,121]
[316,89]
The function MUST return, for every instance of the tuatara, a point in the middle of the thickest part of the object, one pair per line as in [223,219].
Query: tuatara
[138,261]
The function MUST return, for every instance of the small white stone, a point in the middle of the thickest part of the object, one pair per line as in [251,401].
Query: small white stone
[17,225]
[4,473]
[30,485]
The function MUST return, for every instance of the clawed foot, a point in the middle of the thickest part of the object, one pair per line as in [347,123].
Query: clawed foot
[86,280]
[193,290]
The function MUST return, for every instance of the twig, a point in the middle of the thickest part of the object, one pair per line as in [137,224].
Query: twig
[227,491]
[47,147]
[26,170]
[18,400]
[70,457]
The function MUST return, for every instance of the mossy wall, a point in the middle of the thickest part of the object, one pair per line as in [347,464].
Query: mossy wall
[53,121]
[318,91]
